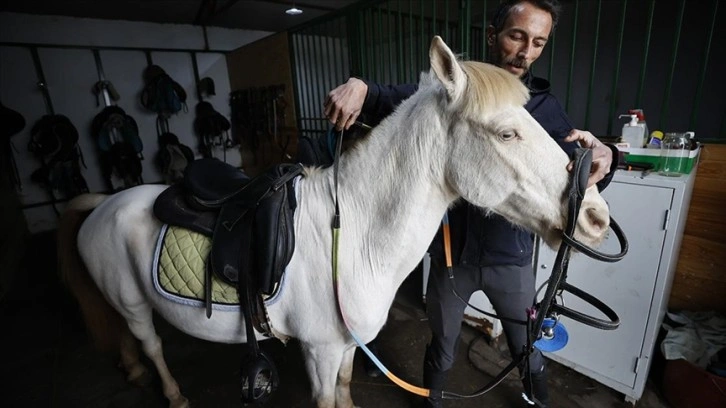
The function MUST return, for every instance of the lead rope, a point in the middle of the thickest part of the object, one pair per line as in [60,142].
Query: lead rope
[424,392]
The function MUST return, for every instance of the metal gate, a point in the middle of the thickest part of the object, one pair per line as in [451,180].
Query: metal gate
[604,58]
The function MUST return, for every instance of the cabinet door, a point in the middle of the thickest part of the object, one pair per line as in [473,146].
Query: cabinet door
[626,286]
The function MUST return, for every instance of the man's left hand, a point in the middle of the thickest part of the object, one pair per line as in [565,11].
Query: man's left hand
[602,156]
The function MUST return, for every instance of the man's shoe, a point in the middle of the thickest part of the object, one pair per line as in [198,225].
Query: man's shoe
[434,380]
[535,389]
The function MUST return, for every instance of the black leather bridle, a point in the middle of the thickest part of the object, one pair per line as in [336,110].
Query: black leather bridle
[557,282]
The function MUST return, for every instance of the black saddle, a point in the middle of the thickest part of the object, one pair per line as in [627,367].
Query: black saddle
[249,220]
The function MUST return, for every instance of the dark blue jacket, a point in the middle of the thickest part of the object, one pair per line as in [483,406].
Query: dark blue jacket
[476,239]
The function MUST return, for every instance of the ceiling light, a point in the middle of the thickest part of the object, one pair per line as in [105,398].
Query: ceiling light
[294,11]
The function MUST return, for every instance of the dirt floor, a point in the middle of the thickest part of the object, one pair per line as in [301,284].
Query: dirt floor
[48,361]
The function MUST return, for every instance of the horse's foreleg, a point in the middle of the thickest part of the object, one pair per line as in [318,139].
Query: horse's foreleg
[151,344]
[345,374]
[136,372]
[322,364]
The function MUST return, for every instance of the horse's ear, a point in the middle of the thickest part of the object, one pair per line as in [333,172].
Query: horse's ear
[447,69]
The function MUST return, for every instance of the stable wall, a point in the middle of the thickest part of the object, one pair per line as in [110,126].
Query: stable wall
[700,282]
[263,63]
[71,73]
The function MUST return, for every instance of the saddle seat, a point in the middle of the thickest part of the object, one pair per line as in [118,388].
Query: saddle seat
[210,183]
[250,221]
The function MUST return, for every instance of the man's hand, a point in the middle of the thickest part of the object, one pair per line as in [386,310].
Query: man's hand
[602,156]
[344,103]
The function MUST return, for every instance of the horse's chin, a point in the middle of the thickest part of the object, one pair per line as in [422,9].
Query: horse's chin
[553,238]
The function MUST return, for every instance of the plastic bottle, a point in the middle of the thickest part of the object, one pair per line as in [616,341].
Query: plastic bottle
[641,121]
[656,139]
[633,132]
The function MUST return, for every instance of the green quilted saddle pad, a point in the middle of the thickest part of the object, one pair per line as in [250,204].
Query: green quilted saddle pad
[180,267]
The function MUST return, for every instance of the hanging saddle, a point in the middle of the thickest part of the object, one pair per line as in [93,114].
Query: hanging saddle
[250,221]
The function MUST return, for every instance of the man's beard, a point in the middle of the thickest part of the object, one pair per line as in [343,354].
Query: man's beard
[517,62]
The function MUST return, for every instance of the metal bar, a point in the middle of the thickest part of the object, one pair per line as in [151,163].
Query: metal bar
[434,6]
[370,46]
[550,68]
[307,52]
[572,56]
[462,19]
[674,56]
[42,83]
[421,40]
[319,80]
[704,65]
[484,32]
[446,21]
[468,29]
[616,77]
[195,68]
[389,18]
[401,71]
[99,65]
[101,78]
[293,50]
[329,58]
[381,53]
[108,48]
[412,68]
[361,44]
[648,31]
[343,76]
[592,65]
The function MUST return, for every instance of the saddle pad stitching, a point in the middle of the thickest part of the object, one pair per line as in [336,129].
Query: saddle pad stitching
[190,250]
[173,297]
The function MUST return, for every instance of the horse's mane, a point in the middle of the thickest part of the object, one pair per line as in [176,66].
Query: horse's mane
[488,85]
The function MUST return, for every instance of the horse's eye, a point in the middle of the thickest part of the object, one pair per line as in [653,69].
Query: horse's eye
[508,135]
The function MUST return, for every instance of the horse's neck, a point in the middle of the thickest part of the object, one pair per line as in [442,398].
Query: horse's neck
[393,195]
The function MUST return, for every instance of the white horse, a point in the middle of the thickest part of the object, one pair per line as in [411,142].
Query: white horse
[465,134]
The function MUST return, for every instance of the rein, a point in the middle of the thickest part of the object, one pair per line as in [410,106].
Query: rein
[539,311]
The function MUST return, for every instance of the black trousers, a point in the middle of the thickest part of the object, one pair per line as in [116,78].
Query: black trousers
[510,290]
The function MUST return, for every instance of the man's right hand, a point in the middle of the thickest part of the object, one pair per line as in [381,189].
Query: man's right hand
[344,103]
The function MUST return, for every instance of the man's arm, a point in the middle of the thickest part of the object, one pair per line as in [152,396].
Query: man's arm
[346,102]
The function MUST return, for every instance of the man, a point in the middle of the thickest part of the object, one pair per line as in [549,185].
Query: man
[490,254]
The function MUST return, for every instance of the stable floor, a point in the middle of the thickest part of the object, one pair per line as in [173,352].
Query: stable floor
[48,361]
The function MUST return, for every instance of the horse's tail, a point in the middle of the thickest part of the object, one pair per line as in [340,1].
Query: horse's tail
[103,322]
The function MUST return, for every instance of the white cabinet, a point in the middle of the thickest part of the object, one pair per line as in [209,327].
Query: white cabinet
[652,212]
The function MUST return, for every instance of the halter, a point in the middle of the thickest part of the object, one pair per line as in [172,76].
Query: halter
[539,311]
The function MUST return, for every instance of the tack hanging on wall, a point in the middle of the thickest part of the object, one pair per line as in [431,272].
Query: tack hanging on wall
[210,126]
[54,142]
[116,135]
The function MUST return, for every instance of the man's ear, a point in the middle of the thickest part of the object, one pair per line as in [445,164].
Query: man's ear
[491,36]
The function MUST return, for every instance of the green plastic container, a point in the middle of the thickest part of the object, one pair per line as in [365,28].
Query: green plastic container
[652,156]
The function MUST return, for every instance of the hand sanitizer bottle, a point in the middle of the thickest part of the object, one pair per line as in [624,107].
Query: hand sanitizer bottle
[633,132]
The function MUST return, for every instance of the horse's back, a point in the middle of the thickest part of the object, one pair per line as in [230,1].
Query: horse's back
[121,229]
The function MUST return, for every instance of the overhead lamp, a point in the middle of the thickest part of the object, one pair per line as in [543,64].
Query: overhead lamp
[293,11]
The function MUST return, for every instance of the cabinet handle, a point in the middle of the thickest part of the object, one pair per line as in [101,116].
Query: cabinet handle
[543,266]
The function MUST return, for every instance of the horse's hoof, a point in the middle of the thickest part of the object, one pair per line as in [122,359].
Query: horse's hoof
[180,402]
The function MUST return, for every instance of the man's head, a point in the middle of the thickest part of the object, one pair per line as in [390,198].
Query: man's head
[519,31]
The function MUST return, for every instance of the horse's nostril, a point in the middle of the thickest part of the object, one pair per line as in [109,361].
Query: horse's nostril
[597,221]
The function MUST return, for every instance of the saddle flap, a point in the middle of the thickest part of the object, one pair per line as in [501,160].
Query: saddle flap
[274,237]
